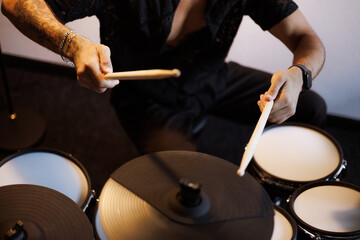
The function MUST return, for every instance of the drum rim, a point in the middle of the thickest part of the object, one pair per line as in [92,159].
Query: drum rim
[273,178]
[290,219]
[56,152]
[310,228]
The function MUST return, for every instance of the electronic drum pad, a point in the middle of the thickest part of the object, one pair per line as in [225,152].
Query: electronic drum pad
[183,195]
[34,213]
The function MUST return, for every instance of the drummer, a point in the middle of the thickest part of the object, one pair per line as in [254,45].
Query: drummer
[193,36]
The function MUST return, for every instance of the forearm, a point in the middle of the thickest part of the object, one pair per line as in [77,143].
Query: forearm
[297,34]
[310,52]
[35,20]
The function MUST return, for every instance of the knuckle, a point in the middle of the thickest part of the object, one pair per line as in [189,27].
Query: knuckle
[101,90]
[292,111]
[104,49]
[278,75]
[286,101]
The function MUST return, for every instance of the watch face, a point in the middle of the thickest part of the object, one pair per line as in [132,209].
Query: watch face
[307,80]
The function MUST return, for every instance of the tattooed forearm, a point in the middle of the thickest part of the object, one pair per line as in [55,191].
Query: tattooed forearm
[36,21]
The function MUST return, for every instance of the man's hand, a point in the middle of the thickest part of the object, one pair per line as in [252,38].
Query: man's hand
[285,88]
[92,62]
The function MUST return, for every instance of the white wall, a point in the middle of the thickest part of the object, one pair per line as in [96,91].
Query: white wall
[336,21]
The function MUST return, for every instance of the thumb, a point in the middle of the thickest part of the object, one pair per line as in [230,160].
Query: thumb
[276,83]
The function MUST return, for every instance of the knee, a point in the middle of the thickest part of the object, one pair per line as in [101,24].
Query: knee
[316,103]
[311,109]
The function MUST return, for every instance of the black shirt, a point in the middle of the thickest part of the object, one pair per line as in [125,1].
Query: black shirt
[136,31]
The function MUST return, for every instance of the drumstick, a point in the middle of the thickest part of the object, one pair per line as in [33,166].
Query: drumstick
[144,74]
[251,146]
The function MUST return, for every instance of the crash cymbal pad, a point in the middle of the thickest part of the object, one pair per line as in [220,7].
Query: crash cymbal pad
[184,195]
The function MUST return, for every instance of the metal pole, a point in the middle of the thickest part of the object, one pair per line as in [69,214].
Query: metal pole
[6,87]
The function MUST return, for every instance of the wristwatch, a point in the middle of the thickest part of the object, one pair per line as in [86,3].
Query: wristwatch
[307,78]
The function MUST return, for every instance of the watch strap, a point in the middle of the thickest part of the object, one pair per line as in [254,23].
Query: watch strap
[307,77]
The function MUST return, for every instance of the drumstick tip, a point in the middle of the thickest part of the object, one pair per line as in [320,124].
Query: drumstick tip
[177,72]
[241,173]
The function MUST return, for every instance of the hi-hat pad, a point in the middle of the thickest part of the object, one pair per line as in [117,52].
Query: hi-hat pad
[41,213]
[144,199]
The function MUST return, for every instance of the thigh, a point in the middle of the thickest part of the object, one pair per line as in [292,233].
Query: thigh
[239,101]
[311,109]
[153,128]
[163,139]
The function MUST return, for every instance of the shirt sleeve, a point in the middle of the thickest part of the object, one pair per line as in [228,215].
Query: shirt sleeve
[69,10]
[267,13]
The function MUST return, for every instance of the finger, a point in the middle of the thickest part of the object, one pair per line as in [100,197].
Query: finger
[106,66]
[260,105]
[98,83]
[281,114]
[105,60]
[88,81]
[268,97]
[264,99]
[84,80]
[277,83]
[281,100]
[261,102]
[279,117]
[108,83]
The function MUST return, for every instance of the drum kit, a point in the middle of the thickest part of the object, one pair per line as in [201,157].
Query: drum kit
[291,187]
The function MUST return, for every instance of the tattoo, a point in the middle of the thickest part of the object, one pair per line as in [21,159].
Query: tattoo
[38,23]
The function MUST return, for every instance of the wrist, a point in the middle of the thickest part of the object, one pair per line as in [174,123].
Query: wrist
[306,76]
[77,46]
[71,46]
[296,76]
[64,48]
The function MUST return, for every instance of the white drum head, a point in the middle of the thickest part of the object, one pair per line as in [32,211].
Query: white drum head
[296,153]
[332,208]
[282,227]
[99,228]
[46,169]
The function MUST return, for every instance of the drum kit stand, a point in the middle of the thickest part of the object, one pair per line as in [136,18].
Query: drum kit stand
[19,129]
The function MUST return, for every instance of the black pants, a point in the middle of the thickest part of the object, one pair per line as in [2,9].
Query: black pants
[153,127]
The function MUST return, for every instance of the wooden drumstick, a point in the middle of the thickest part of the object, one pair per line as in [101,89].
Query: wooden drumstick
[251,146]
[143,74]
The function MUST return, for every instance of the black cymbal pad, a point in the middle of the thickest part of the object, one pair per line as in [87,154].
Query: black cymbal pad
[44,212]
[147,188]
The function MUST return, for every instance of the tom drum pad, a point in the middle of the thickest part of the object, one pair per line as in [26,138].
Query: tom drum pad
[291,155]
[48,168]
[284,225]
[327,209]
